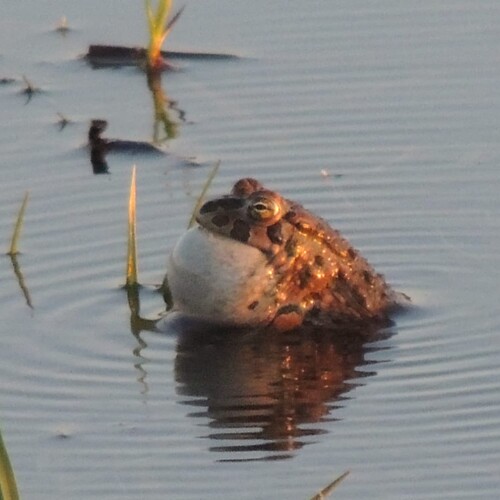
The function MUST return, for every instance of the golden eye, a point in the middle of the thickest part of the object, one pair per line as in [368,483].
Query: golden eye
[264,209]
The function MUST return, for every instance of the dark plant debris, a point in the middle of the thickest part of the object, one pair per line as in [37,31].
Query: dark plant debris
[102,56]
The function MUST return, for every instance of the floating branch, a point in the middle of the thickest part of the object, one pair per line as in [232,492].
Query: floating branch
[131,271]
[8,486]
[103,56]
[14,244]
[200,199]
[328,489]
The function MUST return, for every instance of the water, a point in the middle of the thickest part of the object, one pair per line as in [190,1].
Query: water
[381,118]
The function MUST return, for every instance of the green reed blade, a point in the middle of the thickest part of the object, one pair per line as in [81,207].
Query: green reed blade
[200,199]
[132,240]
[150,15]
[159,27]
[156,22]
[328,489]
[14,243]
[8,486]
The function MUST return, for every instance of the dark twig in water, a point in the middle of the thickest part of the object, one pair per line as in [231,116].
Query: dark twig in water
[102,56]
[29,90]
[63,121]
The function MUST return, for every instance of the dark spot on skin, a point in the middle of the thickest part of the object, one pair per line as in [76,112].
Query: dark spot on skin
[350,294]
[319,260]
[304,277]
[253,305]
[291,247]
[303,226]
[224,203]
[209,206]
[352,253]
[367,277]
[289,216]
[230,203]
[289,308]
[274,233]
[360,299]
[315,311]
[240,231]
[220,220]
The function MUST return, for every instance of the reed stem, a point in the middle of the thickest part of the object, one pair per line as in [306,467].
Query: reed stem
[14,243]
[131,271]
[200,199]
[8,486]
[328,489]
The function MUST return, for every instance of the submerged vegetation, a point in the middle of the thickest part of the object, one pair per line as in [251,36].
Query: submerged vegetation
[159,26]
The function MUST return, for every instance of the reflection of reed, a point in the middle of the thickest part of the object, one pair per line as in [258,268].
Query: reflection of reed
[138,325]
[260,389]
[20,280]
[162,104]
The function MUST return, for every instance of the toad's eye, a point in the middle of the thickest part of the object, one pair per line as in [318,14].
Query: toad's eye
[264,209]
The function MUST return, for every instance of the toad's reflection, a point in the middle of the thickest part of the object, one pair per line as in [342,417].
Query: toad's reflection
[261,390]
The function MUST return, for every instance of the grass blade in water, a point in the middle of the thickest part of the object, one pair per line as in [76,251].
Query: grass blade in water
[132,241]
[328,489]
[200,199]
[14,247]
[8,487]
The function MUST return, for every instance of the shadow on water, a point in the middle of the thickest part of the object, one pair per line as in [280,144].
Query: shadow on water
[261,391]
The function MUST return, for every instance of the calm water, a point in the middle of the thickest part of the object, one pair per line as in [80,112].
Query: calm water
[382,118]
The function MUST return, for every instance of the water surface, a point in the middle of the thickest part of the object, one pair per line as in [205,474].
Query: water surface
[381,118]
